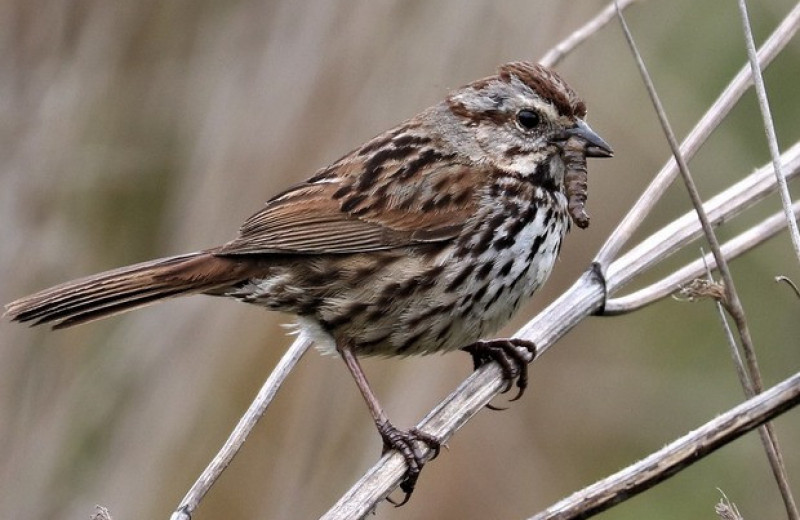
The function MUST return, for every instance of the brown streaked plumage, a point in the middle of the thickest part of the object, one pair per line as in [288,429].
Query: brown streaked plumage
[425,239]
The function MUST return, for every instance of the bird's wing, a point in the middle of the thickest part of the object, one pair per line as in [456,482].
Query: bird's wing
[349,208]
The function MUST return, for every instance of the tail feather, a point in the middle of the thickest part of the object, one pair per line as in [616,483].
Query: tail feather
[126,288]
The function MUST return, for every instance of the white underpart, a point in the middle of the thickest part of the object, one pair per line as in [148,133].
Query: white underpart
[323,341]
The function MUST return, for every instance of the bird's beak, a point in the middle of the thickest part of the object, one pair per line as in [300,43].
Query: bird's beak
[596,147]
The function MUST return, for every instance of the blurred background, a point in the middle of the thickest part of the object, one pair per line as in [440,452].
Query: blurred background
[136,129]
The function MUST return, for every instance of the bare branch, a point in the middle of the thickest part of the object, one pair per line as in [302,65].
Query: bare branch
[738,363]
[677,234]
[751,382]
[734,248]
[677,455]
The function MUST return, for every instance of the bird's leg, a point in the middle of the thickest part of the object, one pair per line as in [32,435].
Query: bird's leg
[513,356]
[393,438]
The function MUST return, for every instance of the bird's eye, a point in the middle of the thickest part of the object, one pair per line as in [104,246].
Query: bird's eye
[528,119]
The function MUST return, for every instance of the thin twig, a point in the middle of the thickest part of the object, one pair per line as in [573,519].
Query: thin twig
[779,38]
[769,128]
[732,303]
[789,282]
[684,230]
[733,248]
[243,428]
[734,348]
[677,455]
[727,510]
[101,513]
[579,36]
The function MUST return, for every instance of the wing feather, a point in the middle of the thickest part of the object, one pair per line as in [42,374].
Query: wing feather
[333,213]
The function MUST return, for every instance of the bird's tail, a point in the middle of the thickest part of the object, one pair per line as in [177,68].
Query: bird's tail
[126,288]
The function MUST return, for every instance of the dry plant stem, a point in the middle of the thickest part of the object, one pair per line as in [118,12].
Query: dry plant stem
[243,428]
[677,455]
[732,302]
[734,349]
[685,229]
[567,45]
[789,282]
[782,35]
[727,510]
[733,248]
[783,189]
[769,127]
[101,513]
[585,297]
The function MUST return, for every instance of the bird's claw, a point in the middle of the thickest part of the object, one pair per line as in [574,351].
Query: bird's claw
[405,443]
[513,356]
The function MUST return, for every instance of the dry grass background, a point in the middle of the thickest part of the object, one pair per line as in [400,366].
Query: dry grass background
[136,129]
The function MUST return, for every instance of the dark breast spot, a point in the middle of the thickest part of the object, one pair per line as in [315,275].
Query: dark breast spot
[444,332]
[488,233]
[460,278]
[520,276]
[369,345]
[525,218]
[484,271]
[504,242]
[506,269]
[480,293]
[494,298]
[541,177]
[348,315]
[535,246]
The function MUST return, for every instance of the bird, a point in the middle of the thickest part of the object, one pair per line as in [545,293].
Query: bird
[426,238]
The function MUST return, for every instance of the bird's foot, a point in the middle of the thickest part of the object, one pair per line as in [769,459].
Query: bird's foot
[405,442]
[513,356]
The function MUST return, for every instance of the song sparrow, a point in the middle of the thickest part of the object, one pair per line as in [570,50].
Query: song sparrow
[424,239]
